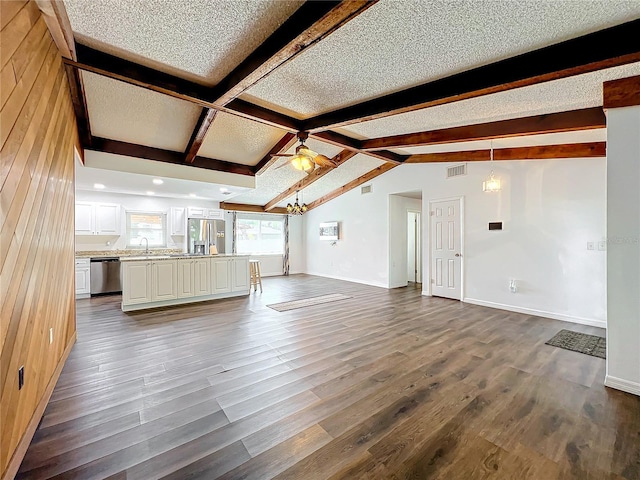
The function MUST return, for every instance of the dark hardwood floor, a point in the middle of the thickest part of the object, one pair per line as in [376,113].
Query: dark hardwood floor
[387,384]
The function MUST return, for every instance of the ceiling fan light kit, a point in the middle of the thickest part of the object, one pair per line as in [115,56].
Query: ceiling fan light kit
[306,159]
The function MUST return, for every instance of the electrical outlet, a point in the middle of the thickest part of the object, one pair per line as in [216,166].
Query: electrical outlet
[591,246]
[50,335]
[602,245]
[20,377]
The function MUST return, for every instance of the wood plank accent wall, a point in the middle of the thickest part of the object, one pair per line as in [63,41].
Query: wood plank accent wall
[37,279]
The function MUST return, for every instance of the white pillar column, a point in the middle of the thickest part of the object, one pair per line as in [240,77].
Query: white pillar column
[623,249]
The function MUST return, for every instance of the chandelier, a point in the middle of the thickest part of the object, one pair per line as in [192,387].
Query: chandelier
[492,184]
[296,208]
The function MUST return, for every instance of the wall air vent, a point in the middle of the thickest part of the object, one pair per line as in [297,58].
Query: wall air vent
[457,170]
[366,189]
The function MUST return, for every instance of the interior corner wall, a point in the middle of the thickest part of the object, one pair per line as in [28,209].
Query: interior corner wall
[37,294]
[623,240]
[550,210]
[297,253]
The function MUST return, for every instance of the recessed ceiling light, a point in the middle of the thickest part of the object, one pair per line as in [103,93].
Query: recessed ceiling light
[150,193]
[192,195]
[99,186]
[157,181]
[224,189]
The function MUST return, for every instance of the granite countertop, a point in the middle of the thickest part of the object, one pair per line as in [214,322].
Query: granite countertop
[126,253]
[176,256]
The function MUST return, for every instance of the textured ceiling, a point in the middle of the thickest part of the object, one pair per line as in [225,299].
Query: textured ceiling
[202,38]
[271,183]
[397,44]
[348,171]
[120,111]
[580,91]
[236,139]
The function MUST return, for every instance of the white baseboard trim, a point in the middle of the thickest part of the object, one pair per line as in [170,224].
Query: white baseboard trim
[425,293]
[624,385]
[335,277]
[538,313]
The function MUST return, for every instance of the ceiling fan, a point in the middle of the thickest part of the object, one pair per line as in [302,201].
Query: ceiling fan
[306,159]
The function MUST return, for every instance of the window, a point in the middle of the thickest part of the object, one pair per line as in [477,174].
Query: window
[149,225]
[260,234]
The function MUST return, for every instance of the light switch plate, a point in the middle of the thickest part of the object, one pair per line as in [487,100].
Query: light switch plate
[602,245]
[590,246]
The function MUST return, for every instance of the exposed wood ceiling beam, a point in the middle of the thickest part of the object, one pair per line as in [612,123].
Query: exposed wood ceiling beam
[607,48]
[150,153]
[95,61]
[309,24]
[284,144]
[199,132]
[241,207]
[76,90]
[339,140]
[542,152]
[624,92]
[317,174]
[57,20]
[385,167]
[101,63]
[575,120]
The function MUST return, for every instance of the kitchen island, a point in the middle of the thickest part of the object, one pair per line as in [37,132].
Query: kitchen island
[163,280]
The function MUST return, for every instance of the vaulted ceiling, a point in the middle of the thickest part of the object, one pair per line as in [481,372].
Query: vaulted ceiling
[219,86]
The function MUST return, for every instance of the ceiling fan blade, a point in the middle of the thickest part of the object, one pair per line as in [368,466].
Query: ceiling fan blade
[304,150]
[285,164]
[282,154]
[323,161]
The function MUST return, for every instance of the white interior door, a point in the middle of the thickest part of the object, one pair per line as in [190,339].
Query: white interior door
[446,254]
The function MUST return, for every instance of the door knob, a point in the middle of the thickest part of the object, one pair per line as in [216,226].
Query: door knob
[458,255]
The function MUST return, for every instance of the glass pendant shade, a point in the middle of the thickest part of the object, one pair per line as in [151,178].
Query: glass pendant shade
[492,184]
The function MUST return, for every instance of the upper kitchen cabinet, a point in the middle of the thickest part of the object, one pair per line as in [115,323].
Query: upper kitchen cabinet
[178,221]
[98,219]
[208,213]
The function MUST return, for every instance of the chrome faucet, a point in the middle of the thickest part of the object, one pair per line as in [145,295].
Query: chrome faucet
[146,249]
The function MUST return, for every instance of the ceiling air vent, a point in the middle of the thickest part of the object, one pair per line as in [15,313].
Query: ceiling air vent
[457,170]
[366,189]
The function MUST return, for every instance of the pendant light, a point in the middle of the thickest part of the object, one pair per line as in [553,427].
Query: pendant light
[296,208]
[492,184]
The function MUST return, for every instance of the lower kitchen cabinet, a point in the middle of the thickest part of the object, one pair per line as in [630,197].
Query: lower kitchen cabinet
[155,283]
[83,277]
[164,280]
[136,282]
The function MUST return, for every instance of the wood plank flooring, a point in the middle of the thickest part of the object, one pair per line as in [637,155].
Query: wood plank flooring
[387,384]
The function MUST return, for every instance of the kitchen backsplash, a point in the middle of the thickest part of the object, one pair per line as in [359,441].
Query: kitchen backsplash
[125,252]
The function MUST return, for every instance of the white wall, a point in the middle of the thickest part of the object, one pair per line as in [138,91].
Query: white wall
[270,264]
[134,202]
[623,235]
[549,209]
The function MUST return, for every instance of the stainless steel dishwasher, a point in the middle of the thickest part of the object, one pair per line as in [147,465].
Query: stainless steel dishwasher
[105,276]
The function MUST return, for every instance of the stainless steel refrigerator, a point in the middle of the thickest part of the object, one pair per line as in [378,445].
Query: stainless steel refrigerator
[202,234]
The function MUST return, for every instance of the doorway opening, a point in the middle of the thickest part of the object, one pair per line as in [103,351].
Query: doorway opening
[414,251]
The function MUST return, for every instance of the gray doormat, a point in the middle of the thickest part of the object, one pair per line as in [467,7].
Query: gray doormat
[580,342]
[308,302]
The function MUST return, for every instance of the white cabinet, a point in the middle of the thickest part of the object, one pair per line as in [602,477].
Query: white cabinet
[185,278]
[85,218]
[178,221]
[197,212]
[220,275]
[201,277]
[154,283]
[215,214]
[164,280]
[83,277]
[239,274]
[97,218]
[209,213]
[136,282]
